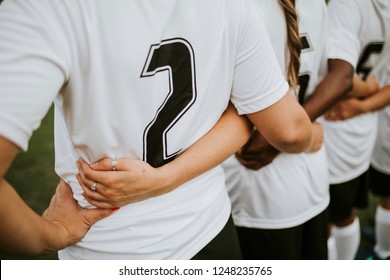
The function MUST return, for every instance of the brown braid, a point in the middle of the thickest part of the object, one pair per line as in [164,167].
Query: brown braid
[293,41]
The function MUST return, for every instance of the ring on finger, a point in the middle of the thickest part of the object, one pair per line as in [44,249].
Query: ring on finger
[93,187]
[114,164]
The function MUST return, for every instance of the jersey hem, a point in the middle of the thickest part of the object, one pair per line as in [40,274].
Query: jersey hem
[281,223]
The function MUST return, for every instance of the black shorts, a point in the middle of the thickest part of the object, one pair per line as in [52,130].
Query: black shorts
[225,246]
[346,196]
[379,183]
[304,242]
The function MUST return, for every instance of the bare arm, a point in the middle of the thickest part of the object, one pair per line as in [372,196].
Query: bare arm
[285,125]
[135,180]
[26,233]
[364,88]
[352,107]
[335,86]
[258,152]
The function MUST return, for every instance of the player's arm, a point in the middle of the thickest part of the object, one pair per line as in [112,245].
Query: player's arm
[336,85]
[364,88]
[23,232]
[352,107]
[135,180]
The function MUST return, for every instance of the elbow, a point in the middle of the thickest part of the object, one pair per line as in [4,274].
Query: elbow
[297,143]
[298,138]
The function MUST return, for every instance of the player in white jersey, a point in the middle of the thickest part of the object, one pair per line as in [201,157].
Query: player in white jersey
[373,97]
[319,224]
[357,36]
[63,222]
[379,183]
[280,209]
[142,81]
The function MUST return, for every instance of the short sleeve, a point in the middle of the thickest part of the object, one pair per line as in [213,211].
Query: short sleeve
[32,69]
[258,80]
[344,24]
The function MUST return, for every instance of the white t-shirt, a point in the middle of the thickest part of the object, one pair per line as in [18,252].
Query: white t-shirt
[294,188]
[132,82]
[381,156]
[356,35]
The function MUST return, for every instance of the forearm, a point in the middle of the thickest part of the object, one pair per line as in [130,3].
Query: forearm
[377,101]
[223,140]
[20,223]
[362,89]
[285,125]
[335,86]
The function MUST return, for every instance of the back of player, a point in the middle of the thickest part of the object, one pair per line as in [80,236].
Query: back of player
[380,164]
[141,116]
[357,36]
[272,205]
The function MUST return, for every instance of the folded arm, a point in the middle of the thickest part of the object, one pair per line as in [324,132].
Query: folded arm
[135,180]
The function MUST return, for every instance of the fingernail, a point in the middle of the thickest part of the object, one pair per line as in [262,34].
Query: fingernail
[115,209]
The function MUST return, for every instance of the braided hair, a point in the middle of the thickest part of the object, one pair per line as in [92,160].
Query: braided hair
[293,41]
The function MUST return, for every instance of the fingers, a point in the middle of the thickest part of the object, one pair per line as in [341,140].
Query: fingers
[332,115]
[63,192]
[108,164]
[94,215]
[91,174]
[96,193]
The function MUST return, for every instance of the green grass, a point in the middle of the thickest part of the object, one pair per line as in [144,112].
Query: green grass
[32,173]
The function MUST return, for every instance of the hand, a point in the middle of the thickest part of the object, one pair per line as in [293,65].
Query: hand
[345,109]
[68,220]
[364,88]
[133,181]
[257,152]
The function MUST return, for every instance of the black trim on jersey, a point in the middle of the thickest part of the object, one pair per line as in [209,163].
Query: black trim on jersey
[176,56]
[304,78]
[370,49]
[307,46]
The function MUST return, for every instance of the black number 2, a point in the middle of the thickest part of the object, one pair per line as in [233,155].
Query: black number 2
[177,57]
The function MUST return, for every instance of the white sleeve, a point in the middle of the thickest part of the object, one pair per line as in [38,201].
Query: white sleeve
[258,81]
[32,70]
[344,24]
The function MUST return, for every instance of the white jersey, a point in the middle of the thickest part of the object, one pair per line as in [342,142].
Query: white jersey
[134,83]
[381,156]
[356,35]
[294,188]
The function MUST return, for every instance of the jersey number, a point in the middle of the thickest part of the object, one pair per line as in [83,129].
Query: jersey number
[177,57]
[304,78]
[372,48]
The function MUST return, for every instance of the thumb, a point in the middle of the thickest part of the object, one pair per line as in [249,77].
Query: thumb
[95,215]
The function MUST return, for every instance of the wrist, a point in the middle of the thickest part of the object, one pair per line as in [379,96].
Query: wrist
[54,236]
[166,178]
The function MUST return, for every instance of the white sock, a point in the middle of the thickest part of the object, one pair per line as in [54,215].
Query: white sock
[332,250]
[347,240]
[382,231]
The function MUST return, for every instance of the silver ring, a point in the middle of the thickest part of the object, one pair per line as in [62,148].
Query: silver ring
[114,164]
[93,187]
